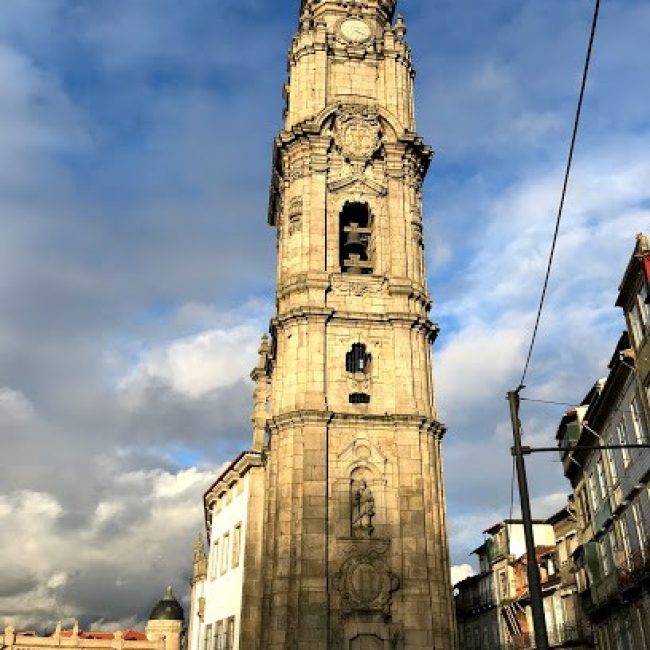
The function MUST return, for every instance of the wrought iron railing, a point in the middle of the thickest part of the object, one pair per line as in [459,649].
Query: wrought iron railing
[558,636]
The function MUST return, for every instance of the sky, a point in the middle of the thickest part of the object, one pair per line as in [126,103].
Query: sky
[136,265]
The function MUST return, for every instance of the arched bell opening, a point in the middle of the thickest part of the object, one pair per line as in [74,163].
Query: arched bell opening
[355,231]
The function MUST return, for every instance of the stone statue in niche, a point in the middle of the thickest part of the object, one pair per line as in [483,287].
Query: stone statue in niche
[363,509]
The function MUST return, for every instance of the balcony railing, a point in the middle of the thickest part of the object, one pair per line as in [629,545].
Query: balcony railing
[468,605]
[558,636]
[634,569]
[628,573]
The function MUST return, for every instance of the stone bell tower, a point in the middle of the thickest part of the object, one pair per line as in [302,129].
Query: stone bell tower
[353,552]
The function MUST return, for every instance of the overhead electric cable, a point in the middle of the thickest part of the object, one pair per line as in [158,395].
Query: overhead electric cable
[565,185]
[571,404]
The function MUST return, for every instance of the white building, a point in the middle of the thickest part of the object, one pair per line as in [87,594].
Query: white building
[218,578]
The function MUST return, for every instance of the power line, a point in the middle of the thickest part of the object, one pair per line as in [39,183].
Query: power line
[571,404]
[549,401]
[565,185]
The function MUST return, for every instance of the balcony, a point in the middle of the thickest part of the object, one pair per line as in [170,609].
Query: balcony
[634,570]
[560,636]
[474,604]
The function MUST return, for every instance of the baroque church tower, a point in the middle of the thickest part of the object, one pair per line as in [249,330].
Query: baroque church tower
[346,542]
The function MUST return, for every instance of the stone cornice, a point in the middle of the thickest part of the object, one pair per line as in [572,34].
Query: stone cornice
[403,319]
[299,417]
[323,281]
[234,472]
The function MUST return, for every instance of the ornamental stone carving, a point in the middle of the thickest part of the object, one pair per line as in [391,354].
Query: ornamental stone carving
[358,132]
[366,583]
[295,215]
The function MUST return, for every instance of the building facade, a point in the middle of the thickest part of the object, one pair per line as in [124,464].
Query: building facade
[486,609]
[165,630]
[493,607]
[344,534]
[611,485]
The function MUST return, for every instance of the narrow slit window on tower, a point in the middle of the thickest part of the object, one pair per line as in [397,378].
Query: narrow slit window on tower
[354,239]
[358,359]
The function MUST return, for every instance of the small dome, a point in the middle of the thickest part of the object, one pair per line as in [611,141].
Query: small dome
[168,609]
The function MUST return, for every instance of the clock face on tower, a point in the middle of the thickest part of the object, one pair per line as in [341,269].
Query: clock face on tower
[355,30]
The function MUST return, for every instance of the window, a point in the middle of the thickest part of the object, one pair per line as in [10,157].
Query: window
[230,633]
[562,551]
[640,619]
[605,555]
[637,422]
[625,539]
[611,463]
[602,482]
[584,507]
[224,552]
[572,544]
[627,631]
[359,398]
[236,544]
[644,306]
[640,528]
[503,584]
[593,493]
[220,636]
[635,325]
[358,359]
[207,638]
[214,560]
[622,440]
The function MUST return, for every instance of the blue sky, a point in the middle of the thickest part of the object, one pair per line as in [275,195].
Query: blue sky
[136,266]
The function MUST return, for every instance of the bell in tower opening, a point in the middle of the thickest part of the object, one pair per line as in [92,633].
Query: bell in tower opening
[338,510]
[355,237]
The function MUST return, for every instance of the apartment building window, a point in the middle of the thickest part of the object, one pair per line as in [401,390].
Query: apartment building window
[627,631]
[621,433]
[214,561]
[611,463]
[593,493]
[571,543]
[220,636]
[602,481]
[639,525]
[562,551]
[207,638]
[605,555]
[584,507]
[236,545]
[224,552]
[640,619]
[214,639]
[625,538]
[503,584]
[230,633]
[637,421]
[636,326]
[644,306]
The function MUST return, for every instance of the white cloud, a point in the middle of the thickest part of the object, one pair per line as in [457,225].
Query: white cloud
[461,571]
[197,365]
[154,515]
[15,407]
